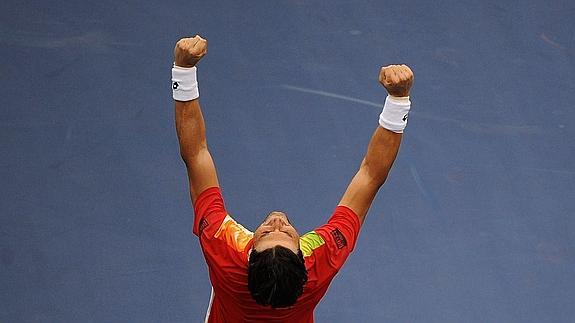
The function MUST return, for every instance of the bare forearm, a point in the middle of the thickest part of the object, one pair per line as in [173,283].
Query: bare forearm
[193,147]
[381,154]
[191,129]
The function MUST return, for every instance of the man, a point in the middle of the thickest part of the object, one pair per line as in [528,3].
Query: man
[274,274]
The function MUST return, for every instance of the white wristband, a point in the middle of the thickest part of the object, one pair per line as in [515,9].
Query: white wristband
[184,83]
[394,114]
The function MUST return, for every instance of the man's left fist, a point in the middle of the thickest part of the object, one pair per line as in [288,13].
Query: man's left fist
[189,51]
[397,79]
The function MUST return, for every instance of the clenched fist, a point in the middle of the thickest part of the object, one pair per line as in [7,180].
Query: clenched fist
[397,79]
[189,51]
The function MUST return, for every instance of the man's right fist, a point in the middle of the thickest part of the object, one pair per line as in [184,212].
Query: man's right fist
[397,79]
[189,51]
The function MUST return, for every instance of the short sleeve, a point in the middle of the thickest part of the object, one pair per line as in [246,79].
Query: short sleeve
[224,242]
[209,212]
[340,235]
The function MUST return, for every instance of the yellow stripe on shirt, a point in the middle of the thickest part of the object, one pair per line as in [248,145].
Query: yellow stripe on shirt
[310,241]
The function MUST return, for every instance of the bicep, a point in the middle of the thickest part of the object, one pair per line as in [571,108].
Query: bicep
[201,173]
[360,193]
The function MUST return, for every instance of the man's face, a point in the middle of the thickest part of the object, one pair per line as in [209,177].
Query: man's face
[276,230]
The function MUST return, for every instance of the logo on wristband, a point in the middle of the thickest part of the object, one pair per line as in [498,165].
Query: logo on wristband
[405,117]
[175,85]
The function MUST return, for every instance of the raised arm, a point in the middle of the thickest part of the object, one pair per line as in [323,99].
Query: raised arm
[190,122]
[383,147]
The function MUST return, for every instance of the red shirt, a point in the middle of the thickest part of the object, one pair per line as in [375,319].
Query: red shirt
[226,243]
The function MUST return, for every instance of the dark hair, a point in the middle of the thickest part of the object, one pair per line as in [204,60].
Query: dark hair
[276,276]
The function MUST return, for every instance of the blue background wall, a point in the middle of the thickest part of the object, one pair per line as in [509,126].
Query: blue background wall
[475,223]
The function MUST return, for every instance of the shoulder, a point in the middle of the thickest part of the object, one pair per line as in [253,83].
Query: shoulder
[235,235]
[342,228]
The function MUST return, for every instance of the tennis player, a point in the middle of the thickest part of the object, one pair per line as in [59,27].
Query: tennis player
[275,274]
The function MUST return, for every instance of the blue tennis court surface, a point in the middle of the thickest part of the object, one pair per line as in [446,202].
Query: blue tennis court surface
[475,224]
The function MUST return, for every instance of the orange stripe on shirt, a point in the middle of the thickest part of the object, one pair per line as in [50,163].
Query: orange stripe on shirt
[234,234]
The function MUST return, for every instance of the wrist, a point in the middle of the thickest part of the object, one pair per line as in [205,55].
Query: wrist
[399,99]
[183,64]
[394,115]
[184,83]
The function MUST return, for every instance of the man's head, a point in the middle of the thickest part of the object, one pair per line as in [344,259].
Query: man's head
[276,230]
[276,272]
